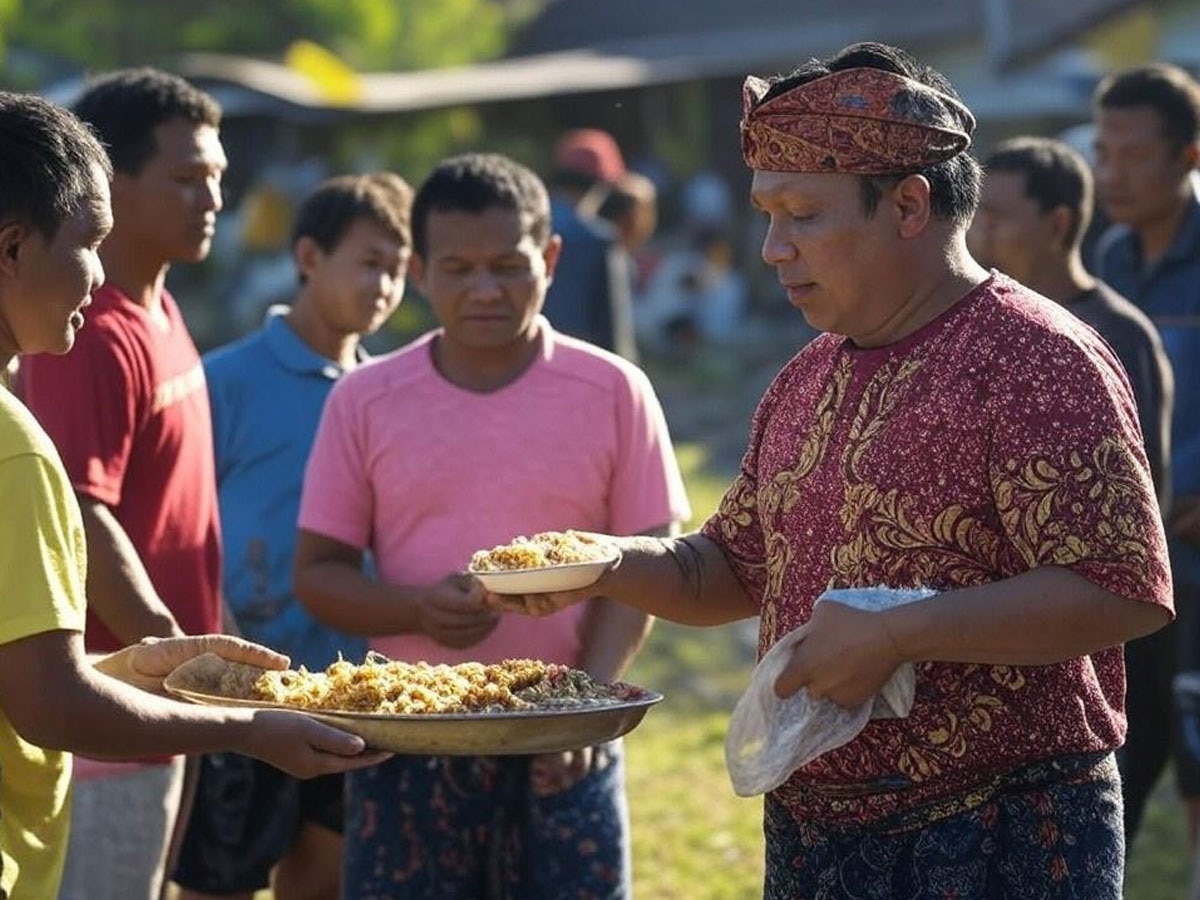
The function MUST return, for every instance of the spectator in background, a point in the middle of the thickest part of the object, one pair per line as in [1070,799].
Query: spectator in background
[631,207]
[1034,210]
[253,825]
[129,414]
[1147,147]
[589,297]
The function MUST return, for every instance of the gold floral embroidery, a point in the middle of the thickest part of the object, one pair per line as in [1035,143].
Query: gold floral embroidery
[878,402]
[950,738]
[885,534]
[1038,503]
[781,493]
[737,508]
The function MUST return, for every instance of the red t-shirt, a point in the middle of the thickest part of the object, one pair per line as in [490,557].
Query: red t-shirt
[128,410]
[1000,437]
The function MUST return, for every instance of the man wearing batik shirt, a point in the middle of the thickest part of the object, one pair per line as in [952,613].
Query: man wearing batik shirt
[950,430]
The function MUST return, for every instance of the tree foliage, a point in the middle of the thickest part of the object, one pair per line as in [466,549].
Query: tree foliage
[370,35]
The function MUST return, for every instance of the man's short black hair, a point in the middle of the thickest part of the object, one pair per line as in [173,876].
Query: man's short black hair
[48,163]
[337,203]
[1054,175]
[1169,90]
[124,108]
[954,183]
[331,210]
[476,182]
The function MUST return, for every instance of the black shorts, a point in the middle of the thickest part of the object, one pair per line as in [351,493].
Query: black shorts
[245,819]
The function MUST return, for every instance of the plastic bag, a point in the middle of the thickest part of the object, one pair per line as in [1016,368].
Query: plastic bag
[770,737]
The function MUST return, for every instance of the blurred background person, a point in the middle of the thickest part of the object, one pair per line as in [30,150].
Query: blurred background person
[631,207]
[1034,210]
[1147,146]
[590,295]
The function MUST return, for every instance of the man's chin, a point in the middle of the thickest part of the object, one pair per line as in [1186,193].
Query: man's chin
[194,253]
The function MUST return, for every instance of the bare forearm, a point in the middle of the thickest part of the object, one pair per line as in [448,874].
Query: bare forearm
[119,590]
[686,580]
[1041,617]
[104,718]
[340,596]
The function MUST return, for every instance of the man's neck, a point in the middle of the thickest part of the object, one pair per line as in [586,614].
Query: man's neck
[483,370]
[140,279]
[1064,280]
[1156,236]
[342,348]
[950,274]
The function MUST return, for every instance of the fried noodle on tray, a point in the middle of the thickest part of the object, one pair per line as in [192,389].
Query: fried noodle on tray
[390,687]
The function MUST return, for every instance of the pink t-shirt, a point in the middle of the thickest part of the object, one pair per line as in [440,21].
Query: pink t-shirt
[424,473]
[1000,437]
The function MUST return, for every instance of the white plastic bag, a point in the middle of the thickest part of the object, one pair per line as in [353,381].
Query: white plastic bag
[770,737]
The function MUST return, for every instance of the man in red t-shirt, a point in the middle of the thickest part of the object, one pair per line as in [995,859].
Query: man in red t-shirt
[950,430]
[128,411]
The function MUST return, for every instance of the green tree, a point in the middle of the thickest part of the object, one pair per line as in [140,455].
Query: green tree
[367,34]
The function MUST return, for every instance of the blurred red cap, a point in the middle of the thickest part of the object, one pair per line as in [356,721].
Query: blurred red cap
[591,152]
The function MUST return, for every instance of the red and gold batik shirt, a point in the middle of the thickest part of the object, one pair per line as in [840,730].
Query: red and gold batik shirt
[1000,437]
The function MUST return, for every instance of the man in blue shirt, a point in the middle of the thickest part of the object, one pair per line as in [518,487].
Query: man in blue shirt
[1147,149]
[351,244]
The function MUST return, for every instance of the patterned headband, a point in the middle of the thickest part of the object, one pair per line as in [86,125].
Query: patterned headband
[858,121]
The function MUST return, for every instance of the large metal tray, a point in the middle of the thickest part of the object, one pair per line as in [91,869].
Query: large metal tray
[200,680]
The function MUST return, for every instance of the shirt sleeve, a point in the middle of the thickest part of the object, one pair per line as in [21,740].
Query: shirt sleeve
[89,402]
[338,500]
[647,489]
[42,553]
[1069,472]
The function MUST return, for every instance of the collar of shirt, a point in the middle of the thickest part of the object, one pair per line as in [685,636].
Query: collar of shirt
[293,353]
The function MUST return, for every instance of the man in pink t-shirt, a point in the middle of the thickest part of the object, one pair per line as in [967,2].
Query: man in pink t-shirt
[492,426]
[950,430]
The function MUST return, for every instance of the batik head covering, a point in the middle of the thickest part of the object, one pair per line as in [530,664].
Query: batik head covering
[860,121]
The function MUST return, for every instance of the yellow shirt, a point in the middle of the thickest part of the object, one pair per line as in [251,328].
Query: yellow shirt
[42,573]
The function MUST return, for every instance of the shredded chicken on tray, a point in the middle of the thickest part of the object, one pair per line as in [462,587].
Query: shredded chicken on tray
[389,687]
[549,548]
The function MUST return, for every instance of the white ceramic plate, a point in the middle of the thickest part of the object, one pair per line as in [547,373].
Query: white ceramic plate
[546,579]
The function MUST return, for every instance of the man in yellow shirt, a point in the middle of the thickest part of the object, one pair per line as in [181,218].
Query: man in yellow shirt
[54,212]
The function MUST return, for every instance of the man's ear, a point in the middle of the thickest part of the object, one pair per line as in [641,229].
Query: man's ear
[910,202]
[1191,156]
[12,237]
[416,272]
[551,254]
[308,254]
[1062,221]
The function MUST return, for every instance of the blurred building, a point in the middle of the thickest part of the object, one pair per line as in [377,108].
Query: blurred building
[664,76]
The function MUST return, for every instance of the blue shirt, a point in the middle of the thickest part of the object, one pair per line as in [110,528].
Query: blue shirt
[589,296]
[1169,293]
[267,392]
